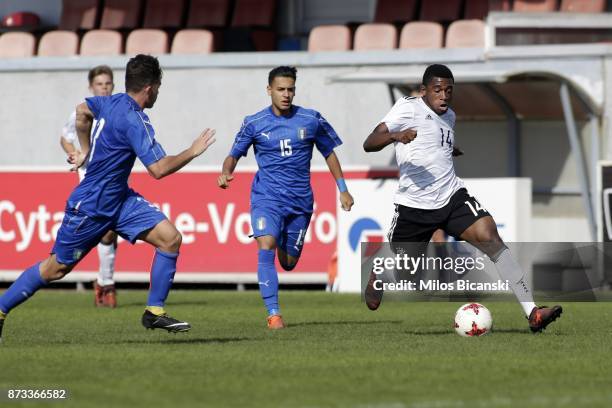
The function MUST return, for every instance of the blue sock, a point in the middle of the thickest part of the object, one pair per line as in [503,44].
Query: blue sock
[25,286]
[162,275]
[268,280]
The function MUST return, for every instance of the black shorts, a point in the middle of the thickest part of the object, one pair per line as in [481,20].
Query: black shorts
[417,225]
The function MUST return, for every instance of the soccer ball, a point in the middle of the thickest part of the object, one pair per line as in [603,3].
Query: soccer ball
[473,319]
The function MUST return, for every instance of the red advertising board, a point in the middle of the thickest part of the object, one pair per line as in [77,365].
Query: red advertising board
[215,223]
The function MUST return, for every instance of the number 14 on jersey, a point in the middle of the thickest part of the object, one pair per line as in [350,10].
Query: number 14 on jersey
[449,142]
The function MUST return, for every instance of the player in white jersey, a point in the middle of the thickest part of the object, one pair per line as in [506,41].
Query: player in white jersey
[431,196]
[100,84]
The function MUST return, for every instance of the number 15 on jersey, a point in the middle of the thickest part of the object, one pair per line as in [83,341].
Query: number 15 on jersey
[285,147]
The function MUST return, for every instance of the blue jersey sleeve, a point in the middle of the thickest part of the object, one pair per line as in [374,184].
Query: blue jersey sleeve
[244,139]
[141,138]
[326,138]
[95,104]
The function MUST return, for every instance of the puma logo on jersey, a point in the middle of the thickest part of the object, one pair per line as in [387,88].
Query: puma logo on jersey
[266,135]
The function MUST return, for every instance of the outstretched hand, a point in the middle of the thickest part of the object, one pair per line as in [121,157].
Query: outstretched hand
[203,141]
[346,200]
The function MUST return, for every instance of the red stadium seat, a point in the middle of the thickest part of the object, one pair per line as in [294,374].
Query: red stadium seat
[121,14]
[192,41]
[21,19]
[528,6]
[421,34]
[79,14]
[440,10]
[395,11]
[101,42]
[147,41]
[583,6]
[254,13]
[208,13]
[375,37]
[163,13]
[17,45]
[329,38]
[58,44]
[479,9]
[466,34]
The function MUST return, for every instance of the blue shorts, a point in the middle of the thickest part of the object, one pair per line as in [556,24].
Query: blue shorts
[287,227]
[79,233]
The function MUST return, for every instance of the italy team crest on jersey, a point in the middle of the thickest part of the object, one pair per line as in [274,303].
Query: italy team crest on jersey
[302,133]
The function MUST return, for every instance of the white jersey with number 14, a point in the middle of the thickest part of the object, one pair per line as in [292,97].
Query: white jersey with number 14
[427,173]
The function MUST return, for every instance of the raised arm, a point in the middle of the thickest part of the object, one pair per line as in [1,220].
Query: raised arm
[171,164]
[381,137]
[227,171]
[346,199]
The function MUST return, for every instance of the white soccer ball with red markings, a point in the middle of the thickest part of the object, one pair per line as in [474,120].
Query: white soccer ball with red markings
[473,319]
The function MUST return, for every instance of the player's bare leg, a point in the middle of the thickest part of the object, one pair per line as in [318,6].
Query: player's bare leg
[167,241]
[267,278]
[104,286]
[484,236]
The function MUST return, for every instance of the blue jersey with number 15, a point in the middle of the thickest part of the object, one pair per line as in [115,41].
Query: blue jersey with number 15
[122,133]
[283,149]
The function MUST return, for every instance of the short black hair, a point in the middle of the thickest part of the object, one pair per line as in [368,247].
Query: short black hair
[437,71]
[282,71]
[99,70]
[142,70]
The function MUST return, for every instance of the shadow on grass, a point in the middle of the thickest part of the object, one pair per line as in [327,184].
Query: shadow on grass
[169,304]
[187,340]
[443,332]
[346,322]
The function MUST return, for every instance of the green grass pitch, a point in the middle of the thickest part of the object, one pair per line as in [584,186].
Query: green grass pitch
[335,353]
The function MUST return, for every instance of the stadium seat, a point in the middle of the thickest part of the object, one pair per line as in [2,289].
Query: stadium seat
[192,41]
[101,42]
[79,14]
[479,9]
[208,13]
[441,11]
[395,11]
[375,37]
[22,19]
[254,13]
[329,38]
[147,41]
[528,6]
[466,34]
[163,13]
[421,34]
[121,14]
[583,6]
[17,45]
[59,43]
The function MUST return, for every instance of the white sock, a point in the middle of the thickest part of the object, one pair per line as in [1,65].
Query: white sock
[106,253]
[509,269]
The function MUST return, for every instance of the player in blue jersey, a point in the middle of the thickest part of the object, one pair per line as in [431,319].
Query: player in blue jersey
[283,136]
[103,201]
